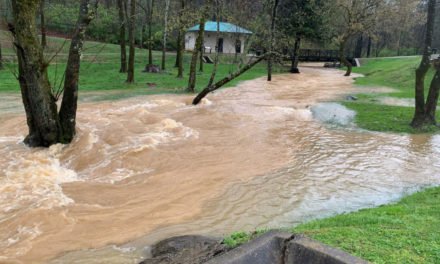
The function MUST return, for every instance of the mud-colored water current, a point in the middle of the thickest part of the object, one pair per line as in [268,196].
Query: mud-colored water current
[147,168]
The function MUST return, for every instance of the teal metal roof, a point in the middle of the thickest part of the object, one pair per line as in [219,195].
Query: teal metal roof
[225,27]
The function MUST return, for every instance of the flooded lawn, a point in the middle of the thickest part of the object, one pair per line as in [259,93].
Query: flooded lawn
[255,156]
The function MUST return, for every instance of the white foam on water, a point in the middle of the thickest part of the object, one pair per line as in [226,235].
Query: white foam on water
[333,113]
[20,239]
[168,130]
[284,112]
[33,180]
[11,139]
[135,107]
[206,102]
[121,174]
[164,102]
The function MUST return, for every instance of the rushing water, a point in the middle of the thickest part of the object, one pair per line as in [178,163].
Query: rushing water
[147,168]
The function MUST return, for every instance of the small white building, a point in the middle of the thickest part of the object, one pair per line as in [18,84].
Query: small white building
[232,38]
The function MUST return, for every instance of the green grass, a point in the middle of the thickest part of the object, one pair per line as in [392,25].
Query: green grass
[100,70]
[404,232]
[238,238]
[396,73]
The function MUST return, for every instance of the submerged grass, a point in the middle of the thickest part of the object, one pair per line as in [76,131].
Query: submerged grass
[396,73]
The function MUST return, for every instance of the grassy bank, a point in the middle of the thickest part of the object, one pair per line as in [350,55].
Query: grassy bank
[396,73]
[405,232]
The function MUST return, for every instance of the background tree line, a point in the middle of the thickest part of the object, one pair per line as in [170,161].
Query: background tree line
[398,30]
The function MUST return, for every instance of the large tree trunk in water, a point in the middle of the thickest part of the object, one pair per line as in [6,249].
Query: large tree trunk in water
[165,34]
[272,40]
[295,58]
[131,29]
[70,98]
[38,100]
[419,118]
[343,59]
[122,20]
[192,71]
[43,25]
[225,80]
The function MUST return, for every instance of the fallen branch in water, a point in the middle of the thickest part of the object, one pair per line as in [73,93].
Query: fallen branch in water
[225,80]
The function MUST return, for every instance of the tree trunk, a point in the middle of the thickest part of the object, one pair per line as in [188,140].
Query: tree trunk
[343,59]
[432,100]
[295,58]
[176,65]
[359,46]
[43,25]
[1,58]
[399,39]
[122,20]
[201,53]
[181,41]
[150,36]
[38,100]
[369,47]
[192,71]
[214,68]
[226,80]
[165,34]
[419,118]
[70,98]
[272,40]
[131,29]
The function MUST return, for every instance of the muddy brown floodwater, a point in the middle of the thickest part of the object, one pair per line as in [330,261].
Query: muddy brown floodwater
[147,168]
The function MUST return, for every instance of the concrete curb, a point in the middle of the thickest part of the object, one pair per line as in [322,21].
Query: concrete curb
[268,248]
[277,247]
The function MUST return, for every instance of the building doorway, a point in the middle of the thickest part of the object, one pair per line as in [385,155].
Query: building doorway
[220,45]
[238,46]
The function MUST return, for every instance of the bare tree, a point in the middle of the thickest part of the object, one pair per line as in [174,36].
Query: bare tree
[358,16]
[131,29]
[43,25]
[217,4]
[165,33]
[1,58]
[122,8]
[272,40]
[197,49]
[148,9]
[180,40]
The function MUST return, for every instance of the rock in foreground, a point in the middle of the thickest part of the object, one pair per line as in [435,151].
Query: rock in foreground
[185,249]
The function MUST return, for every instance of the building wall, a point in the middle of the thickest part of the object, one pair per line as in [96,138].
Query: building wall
[229,41]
